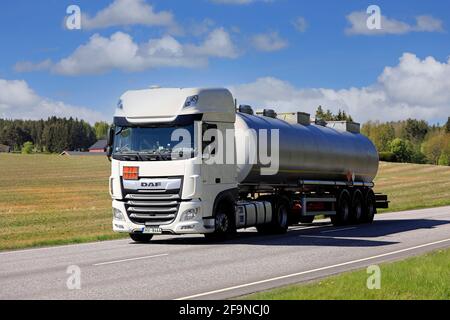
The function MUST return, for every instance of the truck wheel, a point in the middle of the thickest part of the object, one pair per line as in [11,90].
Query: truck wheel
[224,225]
[342,216]
[369,208]
[356,213]
[281,218]
[308,219]
[140,237]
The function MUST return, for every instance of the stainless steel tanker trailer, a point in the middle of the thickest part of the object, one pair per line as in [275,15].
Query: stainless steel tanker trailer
[162,185]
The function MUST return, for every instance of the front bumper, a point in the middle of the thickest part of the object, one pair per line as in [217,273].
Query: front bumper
[198,225]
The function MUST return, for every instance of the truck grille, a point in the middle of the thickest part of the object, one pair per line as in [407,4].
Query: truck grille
[153,207]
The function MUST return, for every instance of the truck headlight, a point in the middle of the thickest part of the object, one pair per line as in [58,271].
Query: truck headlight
[118,215]
[190,214]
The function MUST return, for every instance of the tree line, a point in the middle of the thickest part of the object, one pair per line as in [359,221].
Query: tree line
[53,135]
[413,141]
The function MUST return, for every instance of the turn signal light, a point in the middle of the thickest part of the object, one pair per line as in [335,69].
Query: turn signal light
[131,173]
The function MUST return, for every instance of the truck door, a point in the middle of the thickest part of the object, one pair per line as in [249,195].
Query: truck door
[218,164]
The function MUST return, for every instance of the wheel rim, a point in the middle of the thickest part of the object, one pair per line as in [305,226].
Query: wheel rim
[222,223]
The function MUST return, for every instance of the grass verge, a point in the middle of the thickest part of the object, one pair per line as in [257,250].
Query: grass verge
[424,277]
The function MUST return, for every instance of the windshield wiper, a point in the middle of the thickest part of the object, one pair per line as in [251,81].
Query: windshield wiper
[159,155]
[127,155]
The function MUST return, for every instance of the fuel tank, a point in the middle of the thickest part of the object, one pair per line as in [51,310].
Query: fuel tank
[306,152]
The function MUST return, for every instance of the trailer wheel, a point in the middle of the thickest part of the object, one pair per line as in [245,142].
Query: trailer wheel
[357,210]
[369,207]
[342,216]
[140,237]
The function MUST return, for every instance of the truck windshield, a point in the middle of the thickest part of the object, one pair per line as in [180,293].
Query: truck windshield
[154,143]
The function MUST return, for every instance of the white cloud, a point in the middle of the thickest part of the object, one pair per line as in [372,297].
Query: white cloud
[102,54]
[300,24]
[428,23]
[424,23]
[414,88]
[27,66]
[202,27]
[129,12]
[269,42]
[19,101]
[217,44]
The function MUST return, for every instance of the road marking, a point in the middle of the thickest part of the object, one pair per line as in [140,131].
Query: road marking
[310,271]
[337,230]
[304,228]
[132,259]
[73,245]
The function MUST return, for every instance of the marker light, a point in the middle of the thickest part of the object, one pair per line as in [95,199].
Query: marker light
[131,173]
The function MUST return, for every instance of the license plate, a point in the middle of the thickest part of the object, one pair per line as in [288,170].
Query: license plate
[152,230]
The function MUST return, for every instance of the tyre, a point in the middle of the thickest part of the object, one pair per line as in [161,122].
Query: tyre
[280,218]
[141,238]
[357,207]
[224,224]
[369,208]
[342,216]
[308,219]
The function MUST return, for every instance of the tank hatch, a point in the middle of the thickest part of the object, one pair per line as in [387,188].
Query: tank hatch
[352,127]
[302,118]
[269,113]
[245,109]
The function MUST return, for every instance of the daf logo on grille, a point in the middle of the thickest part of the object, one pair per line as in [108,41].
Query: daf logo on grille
[151,184]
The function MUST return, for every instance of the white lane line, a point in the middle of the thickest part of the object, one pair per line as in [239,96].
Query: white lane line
[310,271]
[132,259]
[337,230]
[308,227]
[73,245]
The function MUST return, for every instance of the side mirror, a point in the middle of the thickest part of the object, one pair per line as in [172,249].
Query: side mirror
[111,133]
[110,142]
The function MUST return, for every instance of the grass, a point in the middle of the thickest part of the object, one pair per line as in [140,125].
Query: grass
[52,200]
[49,200]
[413,186]
[424,277]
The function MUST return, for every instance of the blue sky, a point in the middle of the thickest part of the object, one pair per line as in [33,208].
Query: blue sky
[255,49]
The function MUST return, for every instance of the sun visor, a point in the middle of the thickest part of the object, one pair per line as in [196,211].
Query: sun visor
[165,105]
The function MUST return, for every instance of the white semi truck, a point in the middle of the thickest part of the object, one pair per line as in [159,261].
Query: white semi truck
[189,161]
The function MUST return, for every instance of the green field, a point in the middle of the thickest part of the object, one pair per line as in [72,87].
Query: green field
[423,277]
[414,186]
[48,199]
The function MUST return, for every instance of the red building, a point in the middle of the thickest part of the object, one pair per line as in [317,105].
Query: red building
[99,146]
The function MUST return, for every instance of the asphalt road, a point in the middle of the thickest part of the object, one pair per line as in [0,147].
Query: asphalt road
[191,268]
